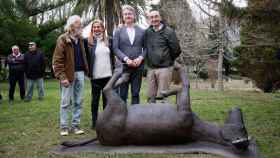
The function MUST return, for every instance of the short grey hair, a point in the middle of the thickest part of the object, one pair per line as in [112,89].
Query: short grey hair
[128,7]
[71,20]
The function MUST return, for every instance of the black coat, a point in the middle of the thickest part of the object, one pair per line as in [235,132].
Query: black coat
[34,65]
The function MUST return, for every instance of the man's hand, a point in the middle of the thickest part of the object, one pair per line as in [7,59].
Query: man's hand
[138,61]
[129,62]
[65,83]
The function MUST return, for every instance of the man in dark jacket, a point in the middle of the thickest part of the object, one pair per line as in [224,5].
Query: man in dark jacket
[34,70]
[15,62]
[162,50]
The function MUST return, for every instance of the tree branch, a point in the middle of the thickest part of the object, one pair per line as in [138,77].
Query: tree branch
[46,7]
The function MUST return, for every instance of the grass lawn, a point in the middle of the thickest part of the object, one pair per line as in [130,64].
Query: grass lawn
[30,130]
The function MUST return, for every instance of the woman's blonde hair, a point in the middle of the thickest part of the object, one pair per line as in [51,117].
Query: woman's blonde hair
[91,36]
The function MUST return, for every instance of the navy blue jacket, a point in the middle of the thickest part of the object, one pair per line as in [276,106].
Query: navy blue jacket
[122,46]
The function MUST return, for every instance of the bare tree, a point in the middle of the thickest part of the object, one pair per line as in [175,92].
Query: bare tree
[214,9]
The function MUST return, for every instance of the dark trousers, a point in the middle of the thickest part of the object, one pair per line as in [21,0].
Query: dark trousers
[13,79]
[135,81]
[97,86]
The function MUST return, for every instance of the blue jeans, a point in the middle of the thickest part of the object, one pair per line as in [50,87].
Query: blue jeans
[72,94]
[40,87]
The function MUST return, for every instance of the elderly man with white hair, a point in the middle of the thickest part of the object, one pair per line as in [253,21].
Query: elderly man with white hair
[70,67]
[16,65]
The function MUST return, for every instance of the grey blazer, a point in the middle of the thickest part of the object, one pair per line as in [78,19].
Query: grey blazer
[122,46]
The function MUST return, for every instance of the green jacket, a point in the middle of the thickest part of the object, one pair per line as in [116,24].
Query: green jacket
[162,47]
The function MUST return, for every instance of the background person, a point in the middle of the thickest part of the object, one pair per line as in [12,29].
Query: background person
[16,66]
[34,71]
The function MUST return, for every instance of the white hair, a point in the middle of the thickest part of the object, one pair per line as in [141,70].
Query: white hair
[71,20]
[15,47]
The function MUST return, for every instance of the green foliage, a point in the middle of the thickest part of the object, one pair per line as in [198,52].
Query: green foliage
[47,44]
[3,74]
[21,31]
[18,28]
[259,45]
[15,31]
[261,65]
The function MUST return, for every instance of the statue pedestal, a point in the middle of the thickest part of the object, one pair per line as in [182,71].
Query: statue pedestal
[190,148]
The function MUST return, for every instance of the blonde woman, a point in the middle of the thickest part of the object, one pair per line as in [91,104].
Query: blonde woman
[100,59]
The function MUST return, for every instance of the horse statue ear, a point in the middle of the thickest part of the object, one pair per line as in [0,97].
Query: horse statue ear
[234,129]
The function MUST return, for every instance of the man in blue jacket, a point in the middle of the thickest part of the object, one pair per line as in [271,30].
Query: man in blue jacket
[128,44]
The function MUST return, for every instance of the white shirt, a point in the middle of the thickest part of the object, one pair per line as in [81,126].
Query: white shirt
[102,61]
[159,28]
[131,34]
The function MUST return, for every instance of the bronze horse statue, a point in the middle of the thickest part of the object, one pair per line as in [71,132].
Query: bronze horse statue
[163,123]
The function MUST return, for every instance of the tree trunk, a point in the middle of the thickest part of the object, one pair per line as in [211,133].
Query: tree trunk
[109,8]
[220,84]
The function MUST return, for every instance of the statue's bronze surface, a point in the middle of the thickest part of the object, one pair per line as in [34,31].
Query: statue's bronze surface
[163,123]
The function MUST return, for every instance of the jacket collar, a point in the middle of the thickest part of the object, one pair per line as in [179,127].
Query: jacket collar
[162,28]
[68,38]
